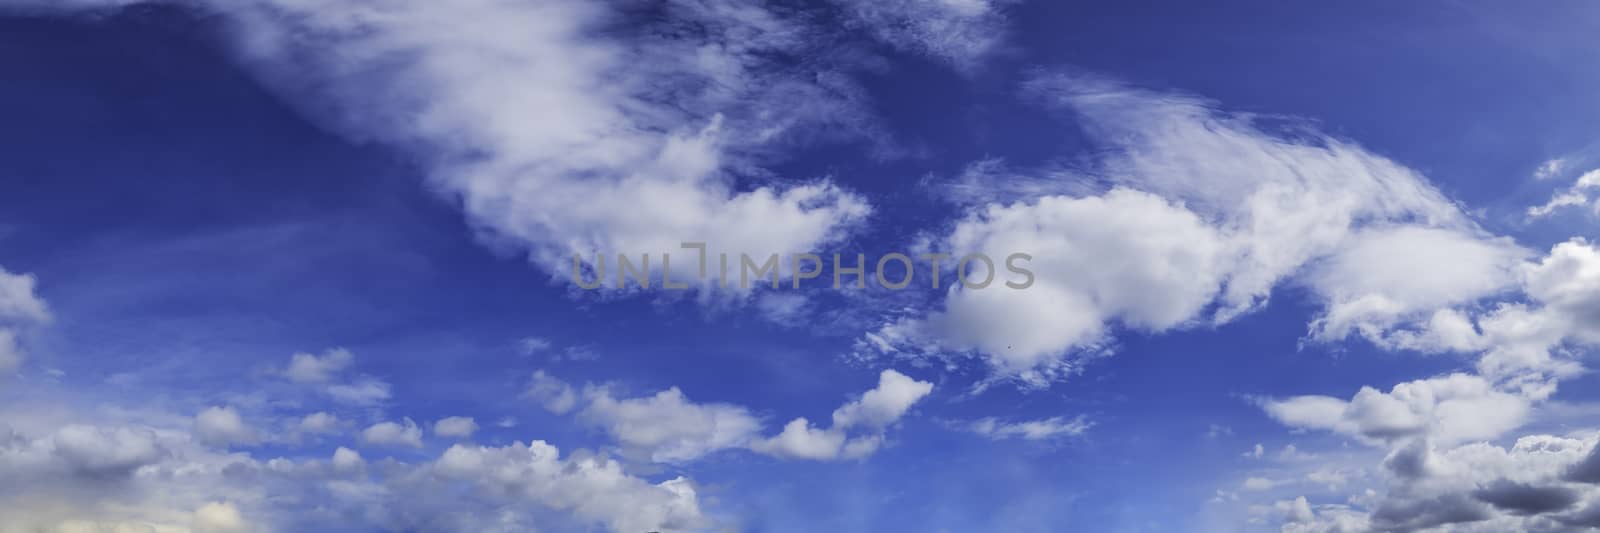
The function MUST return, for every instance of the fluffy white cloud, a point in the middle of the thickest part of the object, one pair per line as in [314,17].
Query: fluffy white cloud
[1449,409]
[1374,280]
[19,306]
[593,489]
[858,426]
[347,460]
[667,427]
[105,451]
[327,373]
[222,426]
[1205,213]
[884,404]
[1128,256]
[18,302]
[455,426]
[1440,473]
[404,433]
[555,395]
[308,368]
[362,391]
[318,423]
[136,478]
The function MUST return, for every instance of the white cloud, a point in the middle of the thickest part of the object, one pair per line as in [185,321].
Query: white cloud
[1577,194]
[534,345]
[347,460]
[19,306]
[1550,169]
[866,418]
[363,391]
[308,368]
[18,301]
[10,352]
[667,427]
[106,451]
[540,118]
[884,404]
[555,395]
[1128,256]
[962,32]
[593,489]
[327,374]
[318,423]
[1043,429]
[455,426]
[393,434]
[222,426]
[1449,409]
[1374,280]
[219,517]
[1205,213]
[656,118]
[137,478]
[800,440]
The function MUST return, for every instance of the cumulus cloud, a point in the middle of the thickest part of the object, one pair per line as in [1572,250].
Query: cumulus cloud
[223,426]
[1441,470]
[1202,213]
[219,517]
[347,460]
[328,374]
[593,489]
[19,307]
[1128,255]
[97,451]
[318,423]
[308,368]
[82,477]
[1371,283]
[1451,409]
[669,427]
[10,352]
[858,426]
[404,433]
[18,300]
[455,426]
[1468,487]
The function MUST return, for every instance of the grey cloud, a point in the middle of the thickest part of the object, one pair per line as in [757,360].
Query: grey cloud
[1526,499]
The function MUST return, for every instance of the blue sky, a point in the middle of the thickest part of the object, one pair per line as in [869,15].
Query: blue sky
[304,265]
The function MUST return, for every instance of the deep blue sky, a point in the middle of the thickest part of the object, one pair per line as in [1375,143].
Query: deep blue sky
[191,226]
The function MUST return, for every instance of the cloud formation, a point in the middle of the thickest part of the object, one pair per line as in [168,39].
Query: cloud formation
[20,307]
[1200,215]
[668,427]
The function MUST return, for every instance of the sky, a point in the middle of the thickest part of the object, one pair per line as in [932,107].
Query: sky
[308,265]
